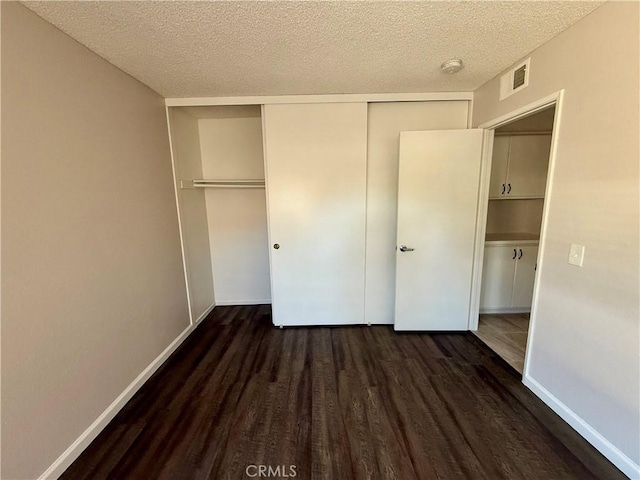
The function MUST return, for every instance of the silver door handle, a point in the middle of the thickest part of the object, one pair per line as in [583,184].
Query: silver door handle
[404,248]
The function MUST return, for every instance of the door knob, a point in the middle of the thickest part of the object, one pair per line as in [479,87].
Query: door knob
[404,248]
[276,246]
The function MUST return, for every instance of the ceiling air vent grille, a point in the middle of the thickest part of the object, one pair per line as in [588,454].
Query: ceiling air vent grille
[514,80]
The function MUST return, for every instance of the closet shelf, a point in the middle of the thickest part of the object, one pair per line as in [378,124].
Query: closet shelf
[203,183]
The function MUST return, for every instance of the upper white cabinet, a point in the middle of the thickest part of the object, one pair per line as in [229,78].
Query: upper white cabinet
[316,173]
[519,166]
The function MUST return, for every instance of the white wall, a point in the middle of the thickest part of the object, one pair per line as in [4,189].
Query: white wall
[385,122]
[92,282]
[585,350]
[231,148]
[193,211]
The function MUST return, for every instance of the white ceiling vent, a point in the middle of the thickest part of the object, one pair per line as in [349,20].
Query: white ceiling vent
[515,79]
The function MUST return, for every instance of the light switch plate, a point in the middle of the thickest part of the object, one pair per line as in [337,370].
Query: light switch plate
[576,255]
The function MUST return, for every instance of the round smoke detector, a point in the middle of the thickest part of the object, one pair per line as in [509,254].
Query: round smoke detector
[451,66]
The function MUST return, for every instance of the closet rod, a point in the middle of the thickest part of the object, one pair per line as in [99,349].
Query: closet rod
[200,183]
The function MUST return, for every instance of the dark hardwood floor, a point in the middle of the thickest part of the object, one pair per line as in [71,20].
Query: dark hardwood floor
[338,403]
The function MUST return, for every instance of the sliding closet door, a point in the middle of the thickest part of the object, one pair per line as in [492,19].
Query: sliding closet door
[316,165]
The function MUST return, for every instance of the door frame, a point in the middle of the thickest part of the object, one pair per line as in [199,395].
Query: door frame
[483,203]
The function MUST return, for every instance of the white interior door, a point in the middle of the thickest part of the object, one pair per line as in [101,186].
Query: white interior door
[316,165]
[437,208]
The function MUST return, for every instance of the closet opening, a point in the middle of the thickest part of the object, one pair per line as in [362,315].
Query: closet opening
[220,187]
[516,198]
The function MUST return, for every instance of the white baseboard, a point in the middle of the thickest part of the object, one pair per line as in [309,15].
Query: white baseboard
[504,310]
[70,454]
[205,313]
[229,303]
[604,446]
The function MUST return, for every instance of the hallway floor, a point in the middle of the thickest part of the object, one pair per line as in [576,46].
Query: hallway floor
[506,335]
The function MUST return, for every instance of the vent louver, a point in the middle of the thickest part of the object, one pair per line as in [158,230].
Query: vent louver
[519,76]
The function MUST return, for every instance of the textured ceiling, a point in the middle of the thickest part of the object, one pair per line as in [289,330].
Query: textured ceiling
[191,49]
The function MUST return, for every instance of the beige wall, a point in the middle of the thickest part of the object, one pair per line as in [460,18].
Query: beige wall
[585,346]
[92,281]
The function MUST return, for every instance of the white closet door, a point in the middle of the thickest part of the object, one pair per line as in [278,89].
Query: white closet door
[437,208]
[528,165]
[499,161]
[386,121]
[316,169]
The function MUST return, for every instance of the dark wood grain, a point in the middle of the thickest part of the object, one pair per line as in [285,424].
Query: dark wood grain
[338,403]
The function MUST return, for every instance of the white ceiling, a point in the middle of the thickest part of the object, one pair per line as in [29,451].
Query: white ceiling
[192,49]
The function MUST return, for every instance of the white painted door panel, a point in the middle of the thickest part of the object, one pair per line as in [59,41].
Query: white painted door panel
[498,268]
[385,122]
[437,207]
[528,164]
[499,162]
[524,277]
[315,158]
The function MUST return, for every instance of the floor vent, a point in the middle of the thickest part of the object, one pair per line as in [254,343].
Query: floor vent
[515,79]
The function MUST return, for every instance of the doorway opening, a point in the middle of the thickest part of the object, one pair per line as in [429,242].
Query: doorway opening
[514,221]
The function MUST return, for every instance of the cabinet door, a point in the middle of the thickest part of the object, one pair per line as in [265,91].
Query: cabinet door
[499,162]
[497,276]
[316,165]
[524,277]
[528,165]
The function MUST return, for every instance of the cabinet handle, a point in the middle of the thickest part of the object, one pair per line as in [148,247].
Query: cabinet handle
[509,191]
[520,254]
[515,253]
[503,189]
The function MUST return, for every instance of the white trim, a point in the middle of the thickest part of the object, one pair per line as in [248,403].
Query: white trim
[590,434]
[529,109]
[263,115]
[558,100]
[524,133]
[525,111]
[481,226]
[58,467]
[231,303]
[334,98]
[175,188]
[205,313]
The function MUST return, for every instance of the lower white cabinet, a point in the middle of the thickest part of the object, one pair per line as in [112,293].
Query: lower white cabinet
[508,275]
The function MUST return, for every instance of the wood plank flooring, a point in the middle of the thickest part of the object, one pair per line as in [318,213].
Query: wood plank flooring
[337,403]
[506,335]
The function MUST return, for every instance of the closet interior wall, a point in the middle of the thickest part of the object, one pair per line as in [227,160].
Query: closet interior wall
[224,228]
